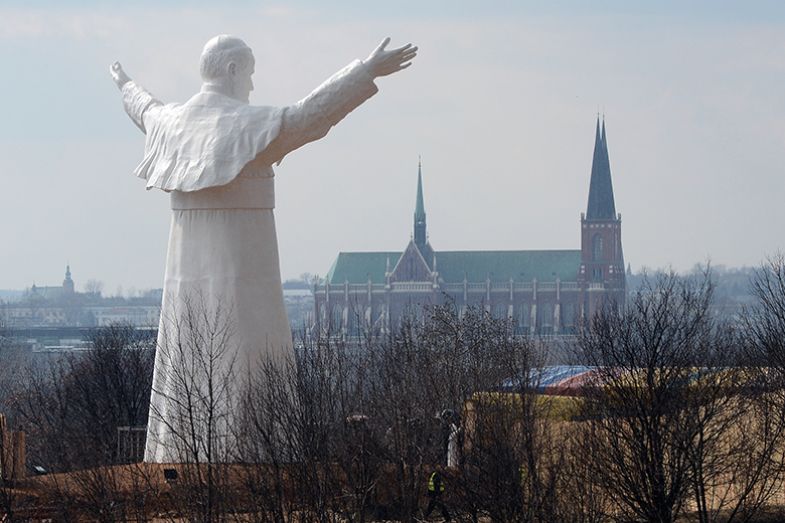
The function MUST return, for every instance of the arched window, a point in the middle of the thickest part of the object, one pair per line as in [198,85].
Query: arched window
[596,247]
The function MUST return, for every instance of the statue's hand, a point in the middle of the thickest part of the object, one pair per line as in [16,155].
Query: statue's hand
[382,63]
[118,75]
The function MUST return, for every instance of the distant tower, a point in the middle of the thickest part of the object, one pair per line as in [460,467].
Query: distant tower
[602,260]
[420,229]
[68,283]
[420,233]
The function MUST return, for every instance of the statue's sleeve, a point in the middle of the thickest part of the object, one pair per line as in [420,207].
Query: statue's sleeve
[139,104]
[313,116]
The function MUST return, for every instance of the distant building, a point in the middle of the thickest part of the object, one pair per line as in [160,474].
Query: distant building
[299,307]
[62,305]
[57,293]
[541,291]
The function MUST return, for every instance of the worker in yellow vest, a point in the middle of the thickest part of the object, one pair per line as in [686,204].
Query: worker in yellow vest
[435,491]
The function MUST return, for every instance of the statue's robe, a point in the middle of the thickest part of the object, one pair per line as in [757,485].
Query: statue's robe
[223,314]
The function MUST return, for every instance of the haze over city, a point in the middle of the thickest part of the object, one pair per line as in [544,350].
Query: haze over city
[501,105]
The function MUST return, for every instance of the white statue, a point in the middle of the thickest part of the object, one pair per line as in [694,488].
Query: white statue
[214,154]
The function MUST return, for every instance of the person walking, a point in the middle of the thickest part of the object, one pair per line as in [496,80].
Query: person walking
[435,491]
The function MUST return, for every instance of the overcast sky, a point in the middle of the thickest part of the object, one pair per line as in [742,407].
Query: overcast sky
[501,104]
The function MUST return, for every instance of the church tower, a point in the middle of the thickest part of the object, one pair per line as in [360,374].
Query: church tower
[420,236]
[68,283]
[601,273]
[417,260]
[420,232]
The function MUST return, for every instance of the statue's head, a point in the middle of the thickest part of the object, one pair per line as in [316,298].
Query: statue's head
[226,65]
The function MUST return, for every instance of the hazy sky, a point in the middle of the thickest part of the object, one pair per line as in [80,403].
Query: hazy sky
[501,104]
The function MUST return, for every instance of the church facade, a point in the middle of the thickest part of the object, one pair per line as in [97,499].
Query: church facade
[543,292]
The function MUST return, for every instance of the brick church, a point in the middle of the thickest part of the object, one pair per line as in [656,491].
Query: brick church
[544,292]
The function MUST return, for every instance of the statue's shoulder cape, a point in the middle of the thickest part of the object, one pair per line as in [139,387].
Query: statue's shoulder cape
[204,142]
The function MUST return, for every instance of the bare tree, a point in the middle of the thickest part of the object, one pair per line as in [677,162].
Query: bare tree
[312,451]
[765,321]
[3,322]
[405,409]
[355,430]
[512,463]
[93,286]
[266,427]
[583,495]
[676,422]
[640,427]
[12,471]
[73,406]
[673,421]
[193,404]
[764,329]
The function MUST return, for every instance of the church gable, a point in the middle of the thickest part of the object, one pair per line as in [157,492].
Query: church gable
[411,266]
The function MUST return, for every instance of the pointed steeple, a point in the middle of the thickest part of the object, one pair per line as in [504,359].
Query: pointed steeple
[601,204]
[420,238]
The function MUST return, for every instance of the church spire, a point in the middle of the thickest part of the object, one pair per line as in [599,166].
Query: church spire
[68,282]
[601,204]
[420,238]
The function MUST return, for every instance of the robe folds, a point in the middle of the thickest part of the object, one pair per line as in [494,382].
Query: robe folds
[223,313]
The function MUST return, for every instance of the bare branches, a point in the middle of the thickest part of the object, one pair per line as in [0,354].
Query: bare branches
[682,415]
[676,423]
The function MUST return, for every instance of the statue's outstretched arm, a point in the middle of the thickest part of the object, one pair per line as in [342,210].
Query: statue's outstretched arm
[383,63]
[138,103]
[118,75]
[312,117]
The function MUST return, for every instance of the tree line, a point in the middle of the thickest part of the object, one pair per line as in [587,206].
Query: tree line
[680,417]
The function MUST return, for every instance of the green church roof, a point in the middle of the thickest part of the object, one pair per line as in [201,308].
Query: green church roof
[357,267]
[500,266]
